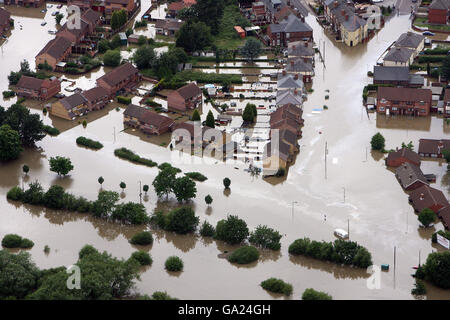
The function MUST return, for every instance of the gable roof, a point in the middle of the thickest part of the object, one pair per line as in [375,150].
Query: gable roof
[444,214]
[288,81]
[440,5]
[409,40]
[282,151]
[170,24]
[404,153]
[119,74]
[72,101]
[189,91]
[4,16]
[30,83]
[134,111]
[408,173]
[91,16]
[95,93]
[286,96]
[433,146]
[399,54]
[300,49]
[426,197]
[290,24]
[383,73]
[56,47]
[404,94]
[299,65]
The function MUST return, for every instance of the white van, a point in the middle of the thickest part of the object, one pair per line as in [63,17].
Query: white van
[340,233]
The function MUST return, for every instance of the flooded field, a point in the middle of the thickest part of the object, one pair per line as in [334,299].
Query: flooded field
[375,206]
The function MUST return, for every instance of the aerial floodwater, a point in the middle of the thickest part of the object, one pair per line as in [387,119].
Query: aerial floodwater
[335,182]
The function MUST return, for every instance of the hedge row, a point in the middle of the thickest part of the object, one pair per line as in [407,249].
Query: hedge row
[13,241]
[207,77]
[197,176]
[124,100]
[127,154]
[51,130]
[89,143]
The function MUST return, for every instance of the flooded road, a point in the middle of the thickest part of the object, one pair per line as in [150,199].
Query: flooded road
[375,206]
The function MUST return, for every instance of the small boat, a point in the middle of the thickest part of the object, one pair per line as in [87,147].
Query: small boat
[43,23]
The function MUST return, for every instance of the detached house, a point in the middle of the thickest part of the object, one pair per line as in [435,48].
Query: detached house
[288,30]
[124,77]
[427,197]
[168,27]
[70,107]
[398,76]
[5,21]
[399,57]
[145,120]
[34,88]
[55,51]
[438,12]
[404,101]
[82,4]
[184,98]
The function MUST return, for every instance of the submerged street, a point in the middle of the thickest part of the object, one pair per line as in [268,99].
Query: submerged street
[352,188]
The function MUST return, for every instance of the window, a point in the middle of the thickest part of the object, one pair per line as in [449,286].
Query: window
[394,108]
[381,108]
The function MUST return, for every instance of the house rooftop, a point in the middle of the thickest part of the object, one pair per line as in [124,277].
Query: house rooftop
[119,74]
[409,40]
[382,73]
[56,47]
[408,173]
[404,94]
[426,197]
[433,146]
[404,153]
[189,91]
[399,54]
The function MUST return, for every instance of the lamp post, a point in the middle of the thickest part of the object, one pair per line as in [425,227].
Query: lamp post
[343,188]
[140,192]
[293,202]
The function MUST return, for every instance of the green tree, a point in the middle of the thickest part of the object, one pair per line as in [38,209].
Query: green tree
[130,212]
[164,181]
[14,77]
[103,46]
[208,199]
[25,169]
[446,67]
[426,216]
[54,197]
[249,113]
[144,56]
[194,36]
[101,180]
[123,185]
[195,115]
[210,12]
[142,257]
[60,165]
[112,58]
[446,155]
[10,146]
[232,230]
[184,189]
[174,264]
[409,146]
[207,229]
[181,220]
[251,49]
[18,275]
[58,18]
[115,42]
[210,121]
[104,206]
[226,183]
[266,237]
[437,269]
[311,294]
[377,142]
[29,126]
[145,188]
[118,19]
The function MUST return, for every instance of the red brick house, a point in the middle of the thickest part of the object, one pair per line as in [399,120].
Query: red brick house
[125,77]
[116,5]
[34,88]
[288,30]
[258,16]
[55,51]
[145,120]
[404,101]
[410,176]
[174,7]
[398,157]
[438,12]
[90,19]
[82,4]
[5,21]
[184,98]
[96,98]
[428,197]
[444,215]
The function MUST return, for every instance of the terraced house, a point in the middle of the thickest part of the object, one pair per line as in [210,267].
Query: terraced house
[54,52]
[404,101]
[185,98]
[438,12]
[145,120]
[5,21]
[288,30]
[25,3]
[124,77]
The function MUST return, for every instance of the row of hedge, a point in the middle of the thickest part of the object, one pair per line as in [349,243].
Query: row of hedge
[127,154]
[89,143]
[124,100]
[427,59]
[201,77]
[339,251]
[51,130]
[14,241]
[197,176]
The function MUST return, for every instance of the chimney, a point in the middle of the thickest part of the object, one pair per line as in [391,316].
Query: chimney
[305,60]
[343,12]
[293,47]
[335,4]
[296,76]
[295,92]
[292,62]
[284,72]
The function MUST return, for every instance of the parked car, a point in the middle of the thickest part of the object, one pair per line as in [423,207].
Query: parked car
[340,233]
[428,33]
[52,31]
[43,23]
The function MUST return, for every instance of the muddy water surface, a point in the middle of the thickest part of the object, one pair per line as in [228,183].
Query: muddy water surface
[375,206]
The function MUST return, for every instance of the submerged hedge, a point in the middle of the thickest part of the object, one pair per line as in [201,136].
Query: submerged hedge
[89,143]
[127,154]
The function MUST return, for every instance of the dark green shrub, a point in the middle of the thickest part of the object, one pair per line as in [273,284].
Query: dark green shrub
[207,230]
[197,176]
[159,295]
[311,294]
[244,255]
[277,286]
[54,197]
[142,257]
[419,289]
[34,194]
[15,194]
[127,154]
[174,264]
[51,130]
[166,165]
[181,220]
[16,241]
[123,100]
[26,243]
[142,238]
[89,143]
[232,230]
[87,250]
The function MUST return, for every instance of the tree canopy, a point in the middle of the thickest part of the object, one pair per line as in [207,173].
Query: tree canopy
[194,36]
[251,49]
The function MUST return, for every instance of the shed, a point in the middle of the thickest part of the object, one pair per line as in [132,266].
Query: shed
[239,31]
[123,38]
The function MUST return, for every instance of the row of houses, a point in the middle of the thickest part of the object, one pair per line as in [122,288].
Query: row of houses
[67,39]
[123,78]
[412,179]
[404,50]
[5,21]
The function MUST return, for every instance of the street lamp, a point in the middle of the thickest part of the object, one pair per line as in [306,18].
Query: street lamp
[140,192]
[293,202]
[343,188]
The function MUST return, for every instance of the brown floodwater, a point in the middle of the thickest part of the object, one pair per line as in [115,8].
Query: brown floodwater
[375,206]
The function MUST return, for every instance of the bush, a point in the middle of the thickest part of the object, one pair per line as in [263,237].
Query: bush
[15,241]
[311,294]
[232,230]
[124,153]
[426,216]
[197,176]
[87,250]
[174,264]
[419,289]
[89,143]
[34,194]
[266,237]
[51,130]
[54,197]
[244,255]
[159,295]
[142,238]
[124,100]
[377,142]
[8,94]
[226,183]
[166,165]
[181,220]
[277,286]
[15,194]
[437,269]
[142,257]
[207,230]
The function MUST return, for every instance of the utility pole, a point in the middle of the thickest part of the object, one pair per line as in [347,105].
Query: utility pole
[114,134]
[140,192]
[395,256]
[419,257]
[293,202]
[344,193]
[348,228]
[326,152]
